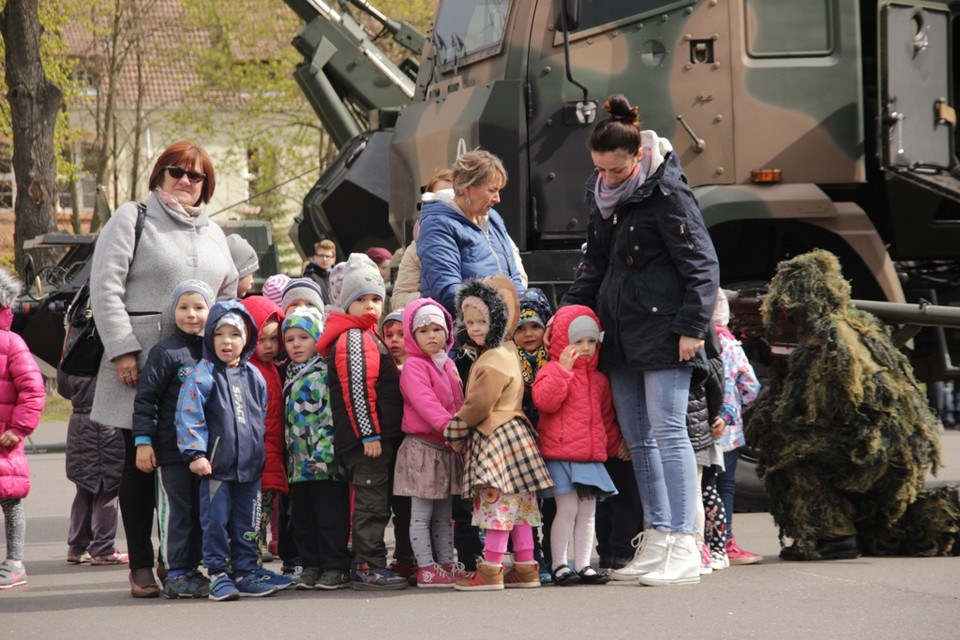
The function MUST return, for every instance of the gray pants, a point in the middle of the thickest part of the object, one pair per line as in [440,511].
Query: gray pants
[93,523]
[371,484]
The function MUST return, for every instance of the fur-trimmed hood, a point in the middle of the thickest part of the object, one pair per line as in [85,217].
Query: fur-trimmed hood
[10,288]
[500,296]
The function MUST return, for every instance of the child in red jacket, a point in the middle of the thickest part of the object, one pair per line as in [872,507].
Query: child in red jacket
[576,425]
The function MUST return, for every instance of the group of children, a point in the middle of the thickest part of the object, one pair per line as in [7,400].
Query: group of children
[335,417]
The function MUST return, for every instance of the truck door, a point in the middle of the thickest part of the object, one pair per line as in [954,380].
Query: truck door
[914,75]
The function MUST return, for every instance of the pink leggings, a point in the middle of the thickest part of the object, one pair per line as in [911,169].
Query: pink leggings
[496,544]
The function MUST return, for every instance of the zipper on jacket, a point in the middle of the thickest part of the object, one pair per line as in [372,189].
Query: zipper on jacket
[213,449]
[683,234]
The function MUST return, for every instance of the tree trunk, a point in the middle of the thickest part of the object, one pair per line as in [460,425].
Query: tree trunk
[34,106]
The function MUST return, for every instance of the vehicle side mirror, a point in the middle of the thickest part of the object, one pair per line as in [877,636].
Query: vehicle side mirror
[570,18]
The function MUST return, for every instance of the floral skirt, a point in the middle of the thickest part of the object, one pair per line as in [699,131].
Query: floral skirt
[499,511]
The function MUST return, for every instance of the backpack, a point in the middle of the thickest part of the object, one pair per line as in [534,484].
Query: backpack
[82,346]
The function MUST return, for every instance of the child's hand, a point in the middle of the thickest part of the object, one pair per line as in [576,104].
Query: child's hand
[624,451]
[9,439]
[146,459]
[717,428]
[372,449]
[569,356]
[548,334]
[201,467]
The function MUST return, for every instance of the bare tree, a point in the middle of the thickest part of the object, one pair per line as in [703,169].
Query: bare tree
[34,107]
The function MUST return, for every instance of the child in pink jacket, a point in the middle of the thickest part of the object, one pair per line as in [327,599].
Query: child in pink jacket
[427,469]
[577,422]
[22,398]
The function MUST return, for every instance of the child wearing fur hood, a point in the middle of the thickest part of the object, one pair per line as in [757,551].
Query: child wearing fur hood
[503,469]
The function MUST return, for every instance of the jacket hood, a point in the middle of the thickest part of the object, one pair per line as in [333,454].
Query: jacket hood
[218,311]
[559,331]
[263,309]
[409,312]
[500,296]
[338,322]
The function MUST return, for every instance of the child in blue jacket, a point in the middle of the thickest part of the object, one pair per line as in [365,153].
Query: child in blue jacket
[220,433]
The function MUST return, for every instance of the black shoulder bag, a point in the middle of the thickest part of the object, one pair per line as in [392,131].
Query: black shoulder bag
[82,346]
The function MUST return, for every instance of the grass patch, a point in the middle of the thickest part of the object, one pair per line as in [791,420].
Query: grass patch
[57,409]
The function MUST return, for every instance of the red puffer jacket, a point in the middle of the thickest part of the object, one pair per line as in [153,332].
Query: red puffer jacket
[22,398]
[274,473]
[577,421]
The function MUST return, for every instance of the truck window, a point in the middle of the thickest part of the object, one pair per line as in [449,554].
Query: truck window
[609,12]
[787,28]
[468,27]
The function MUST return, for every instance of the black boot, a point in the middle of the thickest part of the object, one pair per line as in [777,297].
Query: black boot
[833,549]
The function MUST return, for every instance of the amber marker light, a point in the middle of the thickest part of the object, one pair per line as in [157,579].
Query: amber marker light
[765,176]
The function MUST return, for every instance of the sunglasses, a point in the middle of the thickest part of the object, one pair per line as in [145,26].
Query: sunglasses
[176,173]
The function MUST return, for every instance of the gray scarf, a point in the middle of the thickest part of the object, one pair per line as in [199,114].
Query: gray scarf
[609,198]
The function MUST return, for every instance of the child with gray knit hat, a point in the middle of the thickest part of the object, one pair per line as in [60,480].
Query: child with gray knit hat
[301,292]
[361,282]
[245,260]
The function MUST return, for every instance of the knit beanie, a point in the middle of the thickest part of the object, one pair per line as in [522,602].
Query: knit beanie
[244,256]
[306,318]
[721,310]
[583,327]
[429,314]
[336,280]
[534,307]
[192,286]
[393,316]
[233,319]
[302,289]
[360,277]
[273,287]
[378,254]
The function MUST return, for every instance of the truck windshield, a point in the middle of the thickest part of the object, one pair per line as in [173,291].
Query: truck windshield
[467,27]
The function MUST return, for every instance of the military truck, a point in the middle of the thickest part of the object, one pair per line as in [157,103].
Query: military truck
[826,123]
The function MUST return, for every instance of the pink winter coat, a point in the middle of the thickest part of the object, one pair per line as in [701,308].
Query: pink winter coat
[577,421]
[431,397]
[22,398]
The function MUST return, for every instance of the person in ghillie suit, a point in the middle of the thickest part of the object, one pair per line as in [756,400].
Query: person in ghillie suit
[846,437]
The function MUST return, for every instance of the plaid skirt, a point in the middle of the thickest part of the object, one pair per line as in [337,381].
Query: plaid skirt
[507,460]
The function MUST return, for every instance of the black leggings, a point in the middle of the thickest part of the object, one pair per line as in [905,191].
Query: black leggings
[137,499]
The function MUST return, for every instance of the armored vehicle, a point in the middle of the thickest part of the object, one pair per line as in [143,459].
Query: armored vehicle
[826,123]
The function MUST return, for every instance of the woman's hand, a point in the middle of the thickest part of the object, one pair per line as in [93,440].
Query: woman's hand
[127,369]
[689,347]
[146,458]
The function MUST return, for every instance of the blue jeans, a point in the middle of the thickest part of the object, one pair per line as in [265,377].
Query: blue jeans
[652,411]
[725,485]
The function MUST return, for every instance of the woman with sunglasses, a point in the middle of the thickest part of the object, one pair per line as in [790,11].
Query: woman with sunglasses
[132,282]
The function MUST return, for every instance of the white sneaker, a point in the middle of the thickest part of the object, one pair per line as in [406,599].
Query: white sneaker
[680,566]
[651,547]
[719,560]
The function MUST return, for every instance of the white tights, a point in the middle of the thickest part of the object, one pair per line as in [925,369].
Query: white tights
[574,516]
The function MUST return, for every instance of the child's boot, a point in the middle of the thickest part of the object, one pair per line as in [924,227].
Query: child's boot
[487,577]
[651,547]
[680,566]
[523,575]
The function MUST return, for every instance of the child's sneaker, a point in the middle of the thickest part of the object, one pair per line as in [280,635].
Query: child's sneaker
[292,571]
[523,575]
[332,579]
[307,580]
[719,560]
[186,585]
[367,578]
[434,577]
[254,586]
[117,557]
[456,569]
[12,575]
[740,556]
[405,569]
[273,579]
[222,589]
[487,577]
[705,559]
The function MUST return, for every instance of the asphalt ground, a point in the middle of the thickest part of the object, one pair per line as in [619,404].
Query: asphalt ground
[874,598]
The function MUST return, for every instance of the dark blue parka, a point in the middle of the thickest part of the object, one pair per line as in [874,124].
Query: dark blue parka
[154,410]
[221,409]
[649,271]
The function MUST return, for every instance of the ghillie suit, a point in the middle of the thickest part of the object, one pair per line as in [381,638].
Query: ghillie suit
[846,437]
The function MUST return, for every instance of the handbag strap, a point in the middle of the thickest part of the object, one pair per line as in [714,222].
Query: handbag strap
[138,228]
